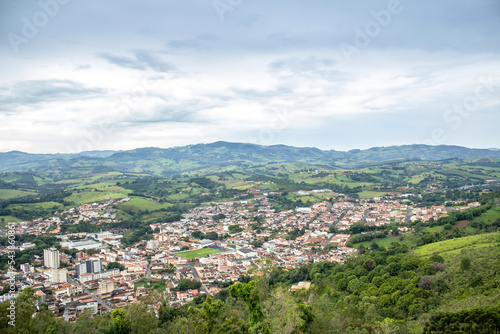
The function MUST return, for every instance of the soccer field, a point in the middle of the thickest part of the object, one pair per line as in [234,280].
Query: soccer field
[198,253]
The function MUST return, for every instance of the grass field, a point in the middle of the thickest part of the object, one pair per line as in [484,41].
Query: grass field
[371,194]
[8,219]
[416,179]
[147,283]
[433,229]
[453,246]
[13,193]
[142,204]
[97,196]
[36,206]
[198,253]
[490,216]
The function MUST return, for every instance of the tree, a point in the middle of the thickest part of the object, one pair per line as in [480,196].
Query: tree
[212,235]
[187,284]
[115,265]
[465,264]
[219,217]
[283,314]
[198,234]
[247,292]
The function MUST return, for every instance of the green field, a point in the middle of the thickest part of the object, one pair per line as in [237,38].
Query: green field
[142,204]
[433,229]
[371,194]
[36,206]
[454,246]
[97,196]
[147,283]
[12,193]
[416,179]
[490,216]
[198,253]
[8,219]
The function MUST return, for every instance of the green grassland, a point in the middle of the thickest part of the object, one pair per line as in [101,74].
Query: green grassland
[371,194]
[462,174]
[147,283]
[490,216]
[448,247]
[433,229]
[416,179]
[137,204]
[13,193]
[8,219]
[93,195]
[36,206]
[198,253]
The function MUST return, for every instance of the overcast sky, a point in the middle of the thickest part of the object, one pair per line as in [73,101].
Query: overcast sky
[82,75]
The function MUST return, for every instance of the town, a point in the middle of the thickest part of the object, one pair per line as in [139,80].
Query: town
[211,247]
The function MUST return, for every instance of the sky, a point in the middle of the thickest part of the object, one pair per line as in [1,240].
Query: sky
[115,75]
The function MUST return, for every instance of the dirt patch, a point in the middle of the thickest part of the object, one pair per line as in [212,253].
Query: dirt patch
[462,224]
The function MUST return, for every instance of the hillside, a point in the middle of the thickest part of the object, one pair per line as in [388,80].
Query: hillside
[159,161]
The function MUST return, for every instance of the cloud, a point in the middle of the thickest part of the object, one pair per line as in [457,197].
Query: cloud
[82,67]
[310,67]
[202,42]
[39,91]
[285,40]
[142,60]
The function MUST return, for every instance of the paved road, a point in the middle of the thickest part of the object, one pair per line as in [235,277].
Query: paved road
[197,277]
[366,214]
[335,223]
[408,215]
[148,270]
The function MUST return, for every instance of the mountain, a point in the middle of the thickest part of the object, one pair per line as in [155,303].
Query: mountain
[167,161]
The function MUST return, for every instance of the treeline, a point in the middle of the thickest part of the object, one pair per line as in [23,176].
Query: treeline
[209,235]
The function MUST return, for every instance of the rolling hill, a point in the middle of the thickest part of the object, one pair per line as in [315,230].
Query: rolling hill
[168,161]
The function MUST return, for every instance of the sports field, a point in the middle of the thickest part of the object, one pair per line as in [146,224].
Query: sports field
[198,253]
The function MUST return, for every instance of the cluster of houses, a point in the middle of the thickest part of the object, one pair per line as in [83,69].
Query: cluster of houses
[70,286]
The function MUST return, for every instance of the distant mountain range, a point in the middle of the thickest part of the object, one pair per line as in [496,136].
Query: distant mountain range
[167,161]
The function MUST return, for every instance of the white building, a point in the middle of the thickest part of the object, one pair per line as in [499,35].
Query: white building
[59,275]
[51,258]
[152,244]
[81,245]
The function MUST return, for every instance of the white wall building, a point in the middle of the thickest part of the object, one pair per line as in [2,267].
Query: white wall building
[51,258]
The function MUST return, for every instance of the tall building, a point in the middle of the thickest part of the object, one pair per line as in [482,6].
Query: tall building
[91,266]
[59,275]
[51,258]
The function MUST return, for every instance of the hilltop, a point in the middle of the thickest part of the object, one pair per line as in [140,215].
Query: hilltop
[169,161]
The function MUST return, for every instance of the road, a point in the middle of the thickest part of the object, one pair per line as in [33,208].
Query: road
[148,270]
[408,215]
[335,223]
[197,277]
